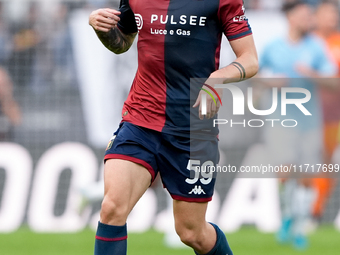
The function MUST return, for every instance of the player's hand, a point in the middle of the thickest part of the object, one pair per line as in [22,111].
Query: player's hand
[212,107]
[104,20]
[306,71]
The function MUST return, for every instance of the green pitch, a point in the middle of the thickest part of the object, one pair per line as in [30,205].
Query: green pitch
[326,241]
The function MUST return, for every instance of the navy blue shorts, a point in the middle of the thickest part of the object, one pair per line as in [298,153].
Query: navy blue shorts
[183,163]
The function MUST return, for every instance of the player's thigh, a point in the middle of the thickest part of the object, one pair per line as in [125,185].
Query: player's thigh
[189,215]
[124,183]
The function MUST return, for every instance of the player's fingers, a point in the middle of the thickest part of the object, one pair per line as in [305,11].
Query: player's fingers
[198,101]
[113,11]
[103,18]
[94,21]
[109,13]
[213,110]
[209,108]
[200,115]
[105,25]
[216,108]
[107,21]
[102,26]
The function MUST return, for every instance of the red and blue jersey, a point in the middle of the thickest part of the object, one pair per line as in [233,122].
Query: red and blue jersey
[177,40]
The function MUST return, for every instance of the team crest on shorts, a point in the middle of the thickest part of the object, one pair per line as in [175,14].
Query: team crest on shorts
[111,142]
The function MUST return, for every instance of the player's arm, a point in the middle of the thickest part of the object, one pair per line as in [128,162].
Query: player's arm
[243,67]
[105,24]
[326,77]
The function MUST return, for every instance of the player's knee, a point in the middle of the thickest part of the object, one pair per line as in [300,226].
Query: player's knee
[189,238]
[187,235]
[113,211]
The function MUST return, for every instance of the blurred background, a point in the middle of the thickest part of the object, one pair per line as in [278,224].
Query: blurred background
[61,94]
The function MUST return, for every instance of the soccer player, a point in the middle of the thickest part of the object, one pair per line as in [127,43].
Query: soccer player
[300,56]
[163,130]
[327,20]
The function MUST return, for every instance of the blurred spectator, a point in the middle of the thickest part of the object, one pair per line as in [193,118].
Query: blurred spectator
[298,57]
[327,17]
[10,114]
[60,42]
[9,110]
[25,40]
[5,44]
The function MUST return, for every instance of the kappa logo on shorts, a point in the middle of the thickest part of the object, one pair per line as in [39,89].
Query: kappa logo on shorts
[111,142]
[197,190]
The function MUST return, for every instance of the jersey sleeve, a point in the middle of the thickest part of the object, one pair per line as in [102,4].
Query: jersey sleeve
[127,23]
[233,19]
